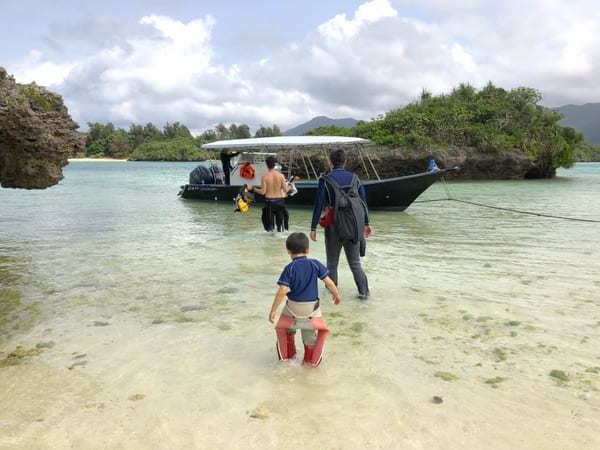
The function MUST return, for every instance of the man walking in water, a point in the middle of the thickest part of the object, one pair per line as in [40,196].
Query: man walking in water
[274,187]
[333,243]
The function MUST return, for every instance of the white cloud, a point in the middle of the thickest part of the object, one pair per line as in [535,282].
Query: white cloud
[35,67]
[340,28]
[379,59]
[460,56]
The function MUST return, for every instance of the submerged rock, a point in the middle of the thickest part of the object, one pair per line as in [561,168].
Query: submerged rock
[260,412]
[227,290]
[18,355]
[77,363]
[37,135]
[48,344]
[192,308]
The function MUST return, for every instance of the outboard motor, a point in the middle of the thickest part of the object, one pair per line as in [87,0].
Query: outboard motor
[201,175]
[217,173]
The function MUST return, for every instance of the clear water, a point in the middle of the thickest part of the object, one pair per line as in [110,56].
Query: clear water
[151,314]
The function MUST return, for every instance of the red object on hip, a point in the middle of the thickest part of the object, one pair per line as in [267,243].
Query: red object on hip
[327,219]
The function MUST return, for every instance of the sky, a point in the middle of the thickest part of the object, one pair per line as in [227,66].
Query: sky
[284,62]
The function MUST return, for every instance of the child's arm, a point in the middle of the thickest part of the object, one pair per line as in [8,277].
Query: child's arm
[278,297]
[329,284]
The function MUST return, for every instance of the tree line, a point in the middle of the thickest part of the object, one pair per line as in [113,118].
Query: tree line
[174,142]
[490,119]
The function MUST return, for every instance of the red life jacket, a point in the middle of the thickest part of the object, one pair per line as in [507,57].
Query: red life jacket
[247,171]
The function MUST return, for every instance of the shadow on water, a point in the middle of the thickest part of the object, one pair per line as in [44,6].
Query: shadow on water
[15,314]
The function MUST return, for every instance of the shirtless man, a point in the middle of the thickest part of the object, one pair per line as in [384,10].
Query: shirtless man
[275,188]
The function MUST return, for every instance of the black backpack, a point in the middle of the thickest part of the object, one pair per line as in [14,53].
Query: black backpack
[349,210]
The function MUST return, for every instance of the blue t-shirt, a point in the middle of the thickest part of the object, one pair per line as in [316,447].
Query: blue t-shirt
[301,277]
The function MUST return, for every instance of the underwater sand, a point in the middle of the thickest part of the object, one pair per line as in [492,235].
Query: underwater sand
[132,319]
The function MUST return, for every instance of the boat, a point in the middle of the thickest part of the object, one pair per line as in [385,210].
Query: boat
[395,193]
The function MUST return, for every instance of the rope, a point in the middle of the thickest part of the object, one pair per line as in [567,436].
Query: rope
[575,219]
[518,211]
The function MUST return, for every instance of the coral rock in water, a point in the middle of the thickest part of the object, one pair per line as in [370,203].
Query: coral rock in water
[37,135]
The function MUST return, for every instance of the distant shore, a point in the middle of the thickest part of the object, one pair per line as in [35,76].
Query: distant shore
[96,159]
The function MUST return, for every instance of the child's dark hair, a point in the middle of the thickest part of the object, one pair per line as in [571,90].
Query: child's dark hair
[337,157]
[297,243]
[270,160]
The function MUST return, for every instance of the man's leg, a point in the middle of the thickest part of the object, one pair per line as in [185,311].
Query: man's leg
[360,278]
[267,217]
[280,212]
[333,247]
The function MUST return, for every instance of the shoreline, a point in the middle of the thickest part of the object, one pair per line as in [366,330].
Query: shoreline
[96,159]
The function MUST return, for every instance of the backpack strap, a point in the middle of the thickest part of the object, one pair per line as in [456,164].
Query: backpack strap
[335,184]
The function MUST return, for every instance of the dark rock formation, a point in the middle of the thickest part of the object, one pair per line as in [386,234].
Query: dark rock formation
[36,135]
[475,164]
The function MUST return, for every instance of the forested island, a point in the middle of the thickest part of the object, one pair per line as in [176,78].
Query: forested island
[174,142]
[468,122]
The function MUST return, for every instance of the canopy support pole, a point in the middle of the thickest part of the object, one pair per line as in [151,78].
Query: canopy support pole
[373,166]
[312,167]
[291,162]
[305,166]
[363,162]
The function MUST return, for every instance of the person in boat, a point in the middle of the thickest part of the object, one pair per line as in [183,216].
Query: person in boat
[338,178]
[226,156]
[274,187]
[302,311]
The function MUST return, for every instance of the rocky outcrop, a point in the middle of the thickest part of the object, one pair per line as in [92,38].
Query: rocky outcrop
[474,164]
[36,135]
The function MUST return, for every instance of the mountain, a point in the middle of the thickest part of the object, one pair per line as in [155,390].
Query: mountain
[320,121]
[584,118]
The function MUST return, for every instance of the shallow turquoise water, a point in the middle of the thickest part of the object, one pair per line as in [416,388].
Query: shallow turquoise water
[103,263]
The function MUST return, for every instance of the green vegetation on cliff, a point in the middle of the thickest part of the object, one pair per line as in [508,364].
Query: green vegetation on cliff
[173,143]
[587,153]
[491,119]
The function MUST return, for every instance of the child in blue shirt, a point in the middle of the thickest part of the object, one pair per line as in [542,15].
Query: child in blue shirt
[299,281]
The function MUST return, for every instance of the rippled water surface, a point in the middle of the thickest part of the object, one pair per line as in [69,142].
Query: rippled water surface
[130,318]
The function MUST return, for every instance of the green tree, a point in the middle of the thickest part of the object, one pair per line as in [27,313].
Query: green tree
[175,130]
[119,145]
[136,135]
[268,131]
[151,132]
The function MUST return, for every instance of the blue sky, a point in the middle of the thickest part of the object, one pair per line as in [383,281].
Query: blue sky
[284,62]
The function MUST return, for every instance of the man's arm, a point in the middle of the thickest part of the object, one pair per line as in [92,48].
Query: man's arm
[363,196]
[319,203]
[284,184]
[277,301]
[329,284]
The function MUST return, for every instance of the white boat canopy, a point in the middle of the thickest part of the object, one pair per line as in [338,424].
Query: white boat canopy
[287,142]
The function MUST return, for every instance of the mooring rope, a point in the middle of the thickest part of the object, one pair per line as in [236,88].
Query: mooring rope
[518,211]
